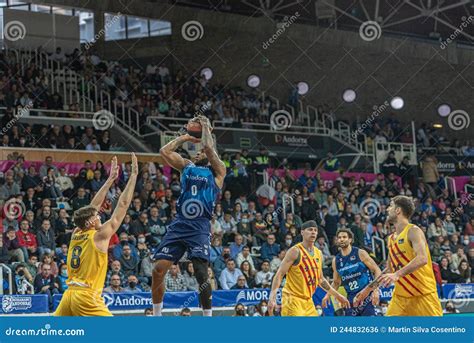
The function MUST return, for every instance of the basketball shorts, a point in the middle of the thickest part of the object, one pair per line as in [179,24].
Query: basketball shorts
[182,236]
[292,306]
[422,305]
[83,303]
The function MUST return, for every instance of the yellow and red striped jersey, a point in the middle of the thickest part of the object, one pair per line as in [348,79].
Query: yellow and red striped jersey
[421,281]
[302,279]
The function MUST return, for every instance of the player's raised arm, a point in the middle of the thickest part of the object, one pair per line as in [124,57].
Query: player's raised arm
[418,242]
[99,197]
[336,283]
[171,157]
[113,224]
[291,256]
[211,154]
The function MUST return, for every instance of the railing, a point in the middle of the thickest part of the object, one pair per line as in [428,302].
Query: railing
[291,202]
[451,186]
[401,150]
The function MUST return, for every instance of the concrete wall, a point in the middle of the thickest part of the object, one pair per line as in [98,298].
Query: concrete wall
[424,74]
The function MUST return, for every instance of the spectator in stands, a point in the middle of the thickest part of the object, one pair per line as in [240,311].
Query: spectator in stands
[229,275]
[115,269]
[239,311]
[23,280]
[437,229]
[241,283]
[133,285]
[244,255]
[45,284]
[277,260]
[249,272]
[212,279]
[331,163]
[65,183]
[12,244]
[430,174]
[221,262]
[114,285]
[48,163]
[390,165]
[46,239]
[62,277]
[10,188]
[464,272]
[47,259]
[26,239]
[128,261]
[261,309]
[236,246]
[447,275]
[185,312]
[263,279]
[174,281]
[191,281]
[270,248]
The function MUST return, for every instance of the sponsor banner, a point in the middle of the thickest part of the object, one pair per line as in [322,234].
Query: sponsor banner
[458,291]
[455,165]
[36,303]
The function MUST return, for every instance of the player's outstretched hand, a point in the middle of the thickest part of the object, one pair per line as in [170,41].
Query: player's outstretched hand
[360,297]
[271,305]
[388,279]
[342,300]
[375,297]
[326,300]
[114,169]
[134,164]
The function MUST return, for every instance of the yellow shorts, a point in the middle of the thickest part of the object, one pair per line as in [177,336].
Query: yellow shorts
[422,305]
[82,303]
[292,306]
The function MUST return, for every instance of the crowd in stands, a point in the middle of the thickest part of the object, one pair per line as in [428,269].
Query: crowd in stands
[154,91]
[250,234]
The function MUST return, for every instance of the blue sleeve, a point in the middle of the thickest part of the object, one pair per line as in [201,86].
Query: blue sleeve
[264,251]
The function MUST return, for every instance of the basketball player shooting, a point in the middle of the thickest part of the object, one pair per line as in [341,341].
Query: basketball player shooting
[202,178]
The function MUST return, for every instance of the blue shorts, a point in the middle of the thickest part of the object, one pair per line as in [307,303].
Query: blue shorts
[193,237]
[366,309]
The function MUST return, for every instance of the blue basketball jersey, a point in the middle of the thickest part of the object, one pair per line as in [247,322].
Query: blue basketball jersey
[198,193]
[354,273]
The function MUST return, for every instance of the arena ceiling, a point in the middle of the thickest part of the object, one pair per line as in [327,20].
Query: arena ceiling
[418,18]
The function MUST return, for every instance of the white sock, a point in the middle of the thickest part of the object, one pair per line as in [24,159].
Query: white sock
[157,309]
[207,313]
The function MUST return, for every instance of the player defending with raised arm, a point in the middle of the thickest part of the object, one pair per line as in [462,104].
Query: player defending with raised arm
[303,267]
[410,265]
[201,181]
[87,256]
[352,267]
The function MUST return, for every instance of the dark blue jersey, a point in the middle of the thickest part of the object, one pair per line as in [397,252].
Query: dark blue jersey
[198,194]
[353,272]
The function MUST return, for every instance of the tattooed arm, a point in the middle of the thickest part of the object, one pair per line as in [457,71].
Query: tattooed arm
[212,156]
[171,157]
[324,284]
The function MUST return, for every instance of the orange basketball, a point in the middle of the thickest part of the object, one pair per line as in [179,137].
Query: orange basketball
[194,128]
